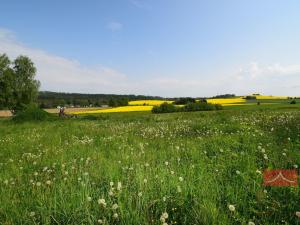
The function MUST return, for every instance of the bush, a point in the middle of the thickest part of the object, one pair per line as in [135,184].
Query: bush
[31,113]
[293,102]
[201,106]
[184,101]
[250,97]
[165,108]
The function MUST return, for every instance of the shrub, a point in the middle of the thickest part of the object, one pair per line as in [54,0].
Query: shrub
[201,106]
[250,97]
[31,113]
[184,101]
[293,102]
[165,108]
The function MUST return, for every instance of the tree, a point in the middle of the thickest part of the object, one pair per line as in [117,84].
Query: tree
[18,88]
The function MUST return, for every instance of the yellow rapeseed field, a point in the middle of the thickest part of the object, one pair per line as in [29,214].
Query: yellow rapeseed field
[266,97]
[225,101]
[119,109]
[148,102]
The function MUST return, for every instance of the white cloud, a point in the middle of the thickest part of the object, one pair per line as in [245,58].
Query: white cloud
[62,74]
[140,4]
[115,26]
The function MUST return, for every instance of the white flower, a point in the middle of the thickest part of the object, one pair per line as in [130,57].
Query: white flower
[48,182]
[110,193]
[180,179]
[284,154]
[258,171]
[36,173]
[166,163]
[145,181]
[266,157]
[251,223]
[298,214]
[38,184]
[231,208]
[172,172]
[140,194]
[165,215]
[32,214]
[119,187]
[295,166]
[102,202]
[115,206]
[89,199]
[116,215]
[164,199]
[164,224]
[238,172]
[179,189]
[100,221]
[111,183]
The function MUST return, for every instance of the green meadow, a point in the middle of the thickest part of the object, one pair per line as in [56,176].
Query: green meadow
[142,168]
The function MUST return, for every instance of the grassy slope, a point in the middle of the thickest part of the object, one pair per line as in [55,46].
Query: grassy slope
[82,156]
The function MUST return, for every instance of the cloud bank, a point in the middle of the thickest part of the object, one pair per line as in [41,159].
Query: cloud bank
[62,74]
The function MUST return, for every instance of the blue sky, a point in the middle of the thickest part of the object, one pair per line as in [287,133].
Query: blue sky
[158,47]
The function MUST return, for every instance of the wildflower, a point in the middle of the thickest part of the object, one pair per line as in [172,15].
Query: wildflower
[32,214]
[258,171]
[164,198]
[251,223]
[284,154]
[172,172]
[86,174]
[115,215]
[36,173]
[6,182]
[48,182]
[166,163]
[111,183]
[231,208]
[119,187]
[179,189]
[165,215]
[102,202]
[89,199]
[266,157]
[295,166]
[140,194]
[115,206]
[100,221]
[145,181]
[180,179]
[110,193]
[38,184]
[298,214]
[238,172]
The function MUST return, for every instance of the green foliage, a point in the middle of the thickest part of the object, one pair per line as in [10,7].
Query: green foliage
[165,108]
[250,97]
[189,165]
[293,102]
[17,84]
[184,101]
[201,106]
[118,102]
[190,107]
[32,113]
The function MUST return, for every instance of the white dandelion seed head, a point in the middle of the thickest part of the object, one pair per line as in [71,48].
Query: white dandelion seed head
[231,208]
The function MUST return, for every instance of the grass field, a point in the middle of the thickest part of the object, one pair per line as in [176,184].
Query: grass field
[142,168]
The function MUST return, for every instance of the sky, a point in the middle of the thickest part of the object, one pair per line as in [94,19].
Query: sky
[166,48]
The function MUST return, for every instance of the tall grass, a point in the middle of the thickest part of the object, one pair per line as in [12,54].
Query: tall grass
[191,166]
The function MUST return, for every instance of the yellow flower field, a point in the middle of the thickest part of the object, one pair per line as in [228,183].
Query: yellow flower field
[118,109]
[269,97]
[148,102]
[225,101]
